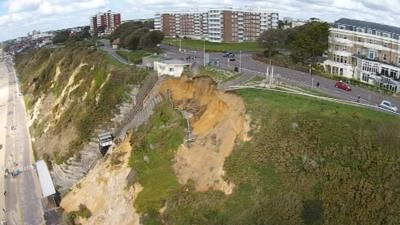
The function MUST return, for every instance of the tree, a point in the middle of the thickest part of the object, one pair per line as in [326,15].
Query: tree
[132,41]
[273,39]
[61,36]
[151,39]
[309,41]
[83,34]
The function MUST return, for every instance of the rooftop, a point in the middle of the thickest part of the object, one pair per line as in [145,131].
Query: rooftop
[371,25]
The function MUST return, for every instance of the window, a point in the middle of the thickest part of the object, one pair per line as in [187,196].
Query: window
[371,54]
[385,71]
[393,73]
[384,57]
[365,77]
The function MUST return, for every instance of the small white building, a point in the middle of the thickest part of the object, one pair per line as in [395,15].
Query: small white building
[171,67]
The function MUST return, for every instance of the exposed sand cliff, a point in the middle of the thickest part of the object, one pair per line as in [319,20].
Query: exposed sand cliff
[105,193]
[218,121]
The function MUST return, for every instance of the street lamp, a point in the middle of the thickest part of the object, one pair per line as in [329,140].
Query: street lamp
[204,48]
[240,61]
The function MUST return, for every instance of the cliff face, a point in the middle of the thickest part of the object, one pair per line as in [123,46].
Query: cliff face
[70,92]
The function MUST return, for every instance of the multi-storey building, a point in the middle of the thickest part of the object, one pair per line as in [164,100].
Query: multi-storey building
[217,25]
[108,20]
[365,51]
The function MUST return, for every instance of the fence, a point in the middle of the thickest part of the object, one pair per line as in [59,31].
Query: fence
[144,90]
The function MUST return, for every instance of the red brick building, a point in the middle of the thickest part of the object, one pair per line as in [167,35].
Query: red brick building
[108,20]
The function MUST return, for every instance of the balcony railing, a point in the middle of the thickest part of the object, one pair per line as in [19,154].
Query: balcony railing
[375,59]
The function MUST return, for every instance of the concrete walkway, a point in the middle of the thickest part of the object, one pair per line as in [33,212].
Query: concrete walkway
[4,89]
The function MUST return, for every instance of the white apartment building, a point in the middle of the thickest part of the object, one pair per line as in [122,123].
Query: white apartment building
[217,25]
[365,51]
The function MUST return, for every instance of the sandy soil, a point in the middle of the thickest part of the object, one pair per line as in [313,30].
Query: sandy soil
[219,119]
[104,192]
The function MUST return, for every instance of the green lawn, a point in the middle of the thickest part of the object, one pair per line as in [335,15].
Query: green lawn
[157,140]
[215,47]
[218,75]
[133,56]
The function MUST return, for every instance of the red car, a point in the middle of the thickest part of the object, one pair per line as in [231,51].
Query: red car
[343,86]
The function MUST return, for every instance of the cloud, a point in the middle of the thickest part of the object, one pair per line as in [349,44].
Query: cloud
[21,16]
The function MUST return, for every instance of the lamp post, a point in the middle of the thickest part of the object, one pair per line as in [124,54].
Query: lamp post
[204,48]
[240,61]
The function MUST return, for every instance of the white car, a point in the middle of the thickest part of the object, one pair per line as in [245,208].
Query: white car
[388,105]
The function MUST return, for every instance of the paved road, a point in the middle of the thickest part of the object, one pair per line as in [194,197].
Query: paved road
[107,48]
[22,199]
[251,68]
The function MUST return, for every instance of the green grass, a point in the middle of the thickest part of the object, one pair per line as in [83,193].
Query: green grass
[156,141]
[308,162]
[218,75]
[133,56]
[255,80]
[82,212]
[215,47]
[111,60]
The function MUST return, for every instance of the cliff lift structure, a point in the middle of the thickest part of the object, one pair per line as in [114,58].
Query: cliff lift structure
[105,141]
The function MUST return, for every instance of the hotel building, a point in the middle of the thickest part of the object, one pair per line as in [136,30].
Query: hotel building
[217,25]
[365,51]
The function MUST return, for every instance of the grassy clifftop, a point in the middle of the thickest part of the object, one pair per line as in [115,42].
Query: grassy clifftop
[69,91]
[308,162]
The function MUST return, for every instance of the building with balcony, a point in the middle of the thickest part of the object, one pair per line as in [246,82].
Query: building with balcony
[105,22]
[217,25]
[365,51]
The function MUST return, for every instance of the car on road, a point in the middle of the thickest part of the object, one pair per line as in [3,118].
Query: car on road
[388,106]
[343,86]
[232,59]
[228,55]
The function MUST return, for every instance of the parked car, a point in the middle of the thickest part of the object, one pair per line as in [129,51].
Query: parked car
[343,86]
[388,105]
[232,59]
[228,55]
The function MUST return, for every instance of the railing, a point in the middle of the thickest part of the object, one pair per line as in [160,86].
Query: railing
[144,90]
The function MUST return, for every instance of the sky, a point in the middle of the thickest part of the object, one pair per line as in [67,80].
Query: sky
[18,17]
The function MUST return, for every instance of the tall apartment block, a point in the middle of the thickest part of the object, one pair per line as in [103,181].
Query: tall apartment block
[109,20]
[217,25]
[365,51]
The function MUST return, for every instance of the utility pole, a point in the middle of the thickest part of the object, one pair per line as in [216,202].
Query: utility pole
[240,61]
[271,77]
[204,46]
[180,44]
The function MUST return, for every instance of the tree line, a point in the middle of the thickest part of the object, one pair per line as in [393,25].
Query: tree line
[137,35]
[63,36]
[304,43]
